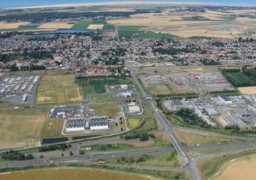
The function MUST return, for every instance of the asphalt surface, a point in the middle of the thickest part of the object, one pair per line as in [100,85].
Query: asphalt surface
[188,164]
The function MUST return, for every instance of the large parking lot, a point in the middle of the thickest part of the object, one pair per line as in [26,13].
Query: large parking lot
[123,91]
[14,88]
[175,81]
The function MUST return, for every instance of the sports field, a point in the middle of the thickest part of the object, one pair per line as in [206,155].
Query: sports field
[71,174]
[58,87]
[21,127]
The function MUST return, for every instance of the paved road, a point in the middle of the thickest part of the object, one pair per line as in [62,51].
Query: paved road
[84,158]
[188,164]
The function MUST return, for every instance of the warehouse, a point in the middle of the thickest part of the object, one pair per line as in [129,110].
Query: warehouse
[99,123]
[76,125]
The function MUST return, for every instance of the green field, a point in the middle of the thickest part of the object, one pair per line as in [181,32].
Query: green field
[133,123]
[82,24]
[58,87]
[136,32]
[239,79]
[98,85]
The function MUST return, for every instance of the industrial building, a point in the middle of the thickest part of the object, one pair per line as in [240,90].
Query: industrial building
[123,91]
[99,123]
[76,125]
[211,112]
[133,108]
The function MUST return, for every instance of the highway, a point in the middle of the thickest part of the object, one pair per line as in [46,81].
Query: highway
[188,164]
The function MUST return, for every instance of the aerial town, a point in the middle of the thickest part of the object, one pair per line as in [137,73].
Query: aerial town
[131,90]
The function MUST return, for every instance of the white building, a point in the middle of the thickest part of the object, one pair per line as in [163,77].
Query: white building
[99,123]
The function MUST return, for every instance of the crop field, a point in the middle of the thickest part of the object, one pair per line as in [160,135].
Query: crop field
[239,79]
[22,127]
[248,90]
[71,173]
[58,88]
[176,80]
[5,25]
[207,24]
[95,26]
[55,25]
[82,24]
[233,169]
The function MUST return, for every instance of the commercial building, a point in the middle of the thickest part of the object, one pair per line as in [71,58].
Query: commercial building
[76,125]
[99,123]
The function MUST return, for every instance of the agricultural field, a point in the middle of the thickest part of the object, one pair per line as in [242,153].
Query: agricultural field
[233,169]
[16,25]
[55,25]
[71,173]
[248,90]
[138,32]
[238,79]
[58,87]
[95,26]
[175,80]
[212,167]
[21,127]
[208,24]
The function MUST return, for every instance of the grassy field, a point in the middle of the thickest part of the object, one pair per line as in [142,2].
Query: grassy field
[111,109]
[190,139]
[52,128]
[58,87]
[82,24]
[20,128]
[71,173]
[160,88]
[133,123]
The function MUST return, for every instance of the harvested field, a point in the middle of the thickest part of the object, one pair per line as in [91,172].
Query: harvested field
[5,25]
[193,24]
[71,174]
[95,26]
[248,90]
[58,88]
[55,25]
[236,169]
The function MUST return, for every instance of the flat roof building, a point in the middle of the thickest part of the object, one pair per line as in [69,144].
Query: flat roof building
[99,123]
